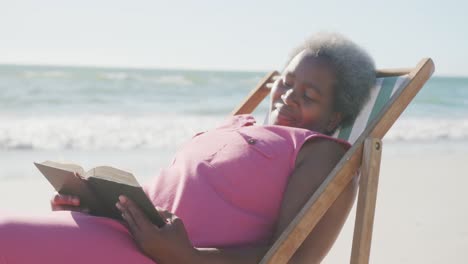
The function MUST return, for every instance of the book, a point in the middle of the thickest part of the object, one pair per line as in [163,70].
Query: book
[99,188]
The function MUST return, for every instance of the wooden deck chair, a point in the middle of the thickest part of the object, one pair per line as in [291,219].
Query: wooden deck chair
[394,90]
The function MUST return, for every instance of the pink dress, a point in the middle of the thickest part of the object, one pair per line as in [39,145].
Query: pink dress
[226,185]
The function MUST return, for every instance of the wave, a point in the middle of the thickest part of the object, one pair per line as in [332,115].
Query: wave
[45,74]
[164,131]
[166,77]
[174,79]
[170,79]
[428,129]
[114,76]
[100,132]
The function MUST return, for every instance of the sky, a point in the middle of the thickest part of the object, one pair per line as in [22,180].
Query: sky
[228,35]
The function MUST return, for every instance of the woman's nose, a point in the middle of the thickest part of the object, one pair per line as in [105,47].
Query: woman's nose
[289,97]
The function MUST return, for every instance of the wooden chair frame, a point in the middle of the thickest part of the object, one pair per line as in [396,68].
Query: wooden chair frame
[364,154]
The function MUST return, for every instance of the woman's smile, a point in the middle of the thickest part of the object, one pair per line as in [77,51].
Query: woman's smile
[285,114]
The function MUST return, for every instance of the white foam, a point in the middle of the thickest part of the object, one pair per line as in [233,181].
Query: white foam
[174,79]
[171,79]
[47,74]
[100,131]
[114,76]
[164,131]
[425,129]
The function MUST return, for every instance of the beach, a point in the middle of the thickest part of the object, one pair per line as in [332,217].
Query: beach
[421,210]
[136,119]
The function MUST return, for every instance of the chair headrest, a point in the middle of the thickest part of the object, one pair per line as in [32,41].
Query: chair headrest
[380,95]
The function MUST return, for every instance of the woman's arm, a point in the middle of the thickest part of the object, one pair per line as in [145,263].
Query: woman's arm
[314,162]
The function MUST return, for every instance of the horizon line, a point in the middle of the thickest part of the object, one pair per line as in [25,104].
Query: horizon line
[133,67]
[176,68]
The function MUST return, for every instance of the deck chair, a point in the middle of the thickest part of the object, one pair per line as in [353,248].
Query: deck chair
[394,90]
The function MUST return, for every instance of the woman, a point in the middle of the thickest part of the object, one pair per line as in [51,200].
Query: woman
[233,189]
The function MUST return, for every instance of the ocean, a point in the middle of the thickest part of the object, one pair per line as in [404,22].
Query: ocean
[66,110]
[94,108]
[99,108]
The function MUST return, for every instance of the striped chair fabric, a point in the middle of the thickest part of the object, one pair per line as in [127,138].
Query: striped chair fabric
[380,94]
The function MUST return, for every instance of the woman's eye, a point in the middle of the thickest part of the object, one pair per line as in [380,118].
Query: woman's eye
[287,84]
[308,98]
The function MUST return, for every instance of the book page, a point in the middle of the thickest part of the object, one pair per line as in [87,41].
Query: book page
[65,166]
[113,174]
[63,179]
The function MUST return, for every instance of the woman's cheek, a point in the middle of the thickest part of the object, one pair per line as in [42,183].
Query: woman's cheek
[311,115]
[276,94]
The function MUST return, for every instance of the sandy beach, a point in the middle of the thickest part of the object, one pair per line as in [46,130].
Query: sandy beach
[421,210]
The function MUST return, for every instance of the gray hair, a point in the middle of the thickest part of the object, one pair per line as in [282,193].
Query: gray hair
[354,69]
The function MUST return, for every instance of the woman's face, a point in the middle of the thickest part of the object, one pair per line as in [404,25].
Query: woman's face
[303,96]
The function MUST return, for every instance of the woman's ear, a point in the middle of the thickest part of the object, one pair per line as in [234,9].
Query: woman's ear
[334,121]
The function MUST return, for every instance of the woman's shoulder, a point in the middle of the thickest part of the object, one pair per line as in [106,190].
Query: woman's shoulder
[322,150]
[311,145]
[301,136]
[303,141]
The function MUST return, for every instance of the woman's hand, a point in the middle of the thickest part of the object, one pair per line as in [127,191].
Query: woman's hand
[169,244]
[61,202]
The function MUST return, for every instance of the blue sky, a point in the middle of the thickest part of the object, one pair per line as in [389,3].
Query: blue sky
[225,35]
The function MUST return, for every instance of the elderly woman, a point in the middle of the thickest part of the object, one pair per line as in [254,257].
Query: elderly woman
[234,189]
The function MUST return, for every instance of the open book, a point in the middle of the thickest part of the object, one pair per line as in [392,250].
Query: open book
[99,188]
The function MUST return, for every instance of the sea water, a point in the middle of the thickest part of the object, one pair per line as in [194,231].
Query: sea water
[92,108]
[65,110]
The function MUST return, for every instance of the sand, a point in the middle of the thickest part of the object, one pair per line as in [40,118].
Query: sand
[422,211]
[421,215]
